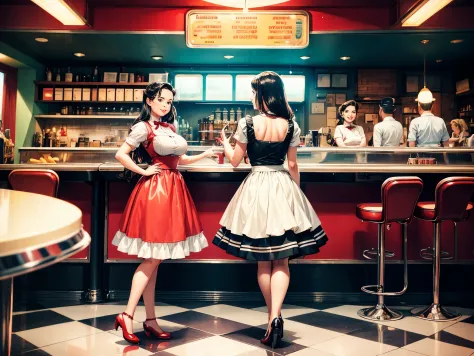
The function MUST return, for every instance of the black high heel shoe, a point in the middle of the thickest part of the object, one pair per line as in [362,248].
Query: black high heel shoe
[273,337]
[279,317]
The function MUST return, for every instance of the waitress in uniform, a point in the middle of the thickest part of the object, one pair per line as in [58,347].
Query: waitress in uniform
[348,134]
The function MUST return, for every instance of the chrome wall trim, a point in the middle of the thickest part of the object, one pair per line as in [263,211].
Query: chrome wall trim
[303,262]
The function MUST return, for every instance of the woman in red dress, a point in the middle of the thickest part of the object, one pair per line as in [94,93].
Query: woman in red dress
[160,220]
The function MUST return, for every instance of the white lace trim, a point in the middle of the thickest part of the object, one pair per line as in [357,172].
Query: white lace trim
[159,251]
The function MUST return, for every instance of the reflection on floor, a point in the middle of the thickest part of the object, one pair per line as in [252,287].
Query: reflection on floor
[206,329]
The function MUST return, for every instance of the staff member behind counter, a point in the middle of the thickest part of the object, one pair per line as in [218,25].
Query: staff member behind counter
[347,134]
[389,132]
[427,130]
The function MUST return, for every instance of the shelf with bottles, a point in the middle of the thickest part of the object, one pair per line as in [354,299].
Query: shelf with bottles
[88,116]
[87,102]
[84,84]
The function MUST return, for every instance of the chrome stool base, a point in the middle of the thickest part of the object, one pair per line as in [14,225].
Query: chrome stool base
[379,313]
[435,312]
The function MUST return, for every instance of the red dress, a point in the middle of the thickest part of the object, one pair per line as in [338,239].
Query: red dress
[160,220]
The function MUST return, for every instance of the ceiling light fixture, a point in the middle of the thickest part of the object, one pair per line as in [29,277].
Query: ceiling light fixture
[41,39]
[423,11]
[439,61]
[61,11]
[456,41]
[157,58]
[425,41]
[228,57]
[79,54]
[305,57]
[345,58]
[245,4]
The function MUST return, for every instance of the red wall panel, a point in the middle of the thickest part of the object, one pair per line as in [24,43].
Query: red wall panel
[79,194]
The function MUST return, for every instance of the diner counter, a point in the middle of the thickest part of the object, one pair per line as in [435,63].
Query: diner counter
[334,180]
[227,168]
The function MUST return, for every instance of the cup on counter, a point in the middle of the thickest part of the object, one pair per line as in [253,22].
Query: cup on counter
[220,157]
[315,138]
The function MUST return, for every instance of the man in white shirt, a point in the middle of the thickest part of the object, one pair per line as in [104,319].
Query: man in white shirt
[389,132]
[427,130]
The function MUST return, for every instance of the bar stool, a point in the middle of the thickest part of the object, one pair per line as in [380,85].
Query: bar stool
[39,181]
[399,198]
[451,203]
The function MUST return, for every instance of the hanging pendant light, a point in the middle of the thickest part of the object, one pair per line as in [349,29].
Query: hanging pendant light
[425,95]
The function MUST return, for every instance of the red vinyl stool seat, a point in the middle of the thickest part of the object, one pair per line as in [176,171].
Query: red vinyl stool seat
[426,210]
[370,212]
[39,181]
[451,203]
[399,197]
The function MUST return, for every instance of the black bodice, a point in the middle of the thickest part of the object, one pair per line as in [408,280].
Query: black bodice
[266,153]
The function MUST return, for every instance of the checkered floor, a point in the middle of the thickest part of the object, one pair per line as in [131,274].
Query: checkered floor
[235,329]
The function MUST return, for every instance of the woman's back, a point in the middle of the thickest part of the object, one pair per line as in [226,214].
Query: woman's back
[270,129]
[268,139]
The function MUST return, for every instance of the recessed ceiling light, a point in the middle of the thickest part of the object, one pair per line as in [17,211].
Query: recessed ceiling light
[457,41]
[228,57]
[79,54]
[305,57]
[345,58]
[157,58]
[41,39]
[425,41]
[439,60]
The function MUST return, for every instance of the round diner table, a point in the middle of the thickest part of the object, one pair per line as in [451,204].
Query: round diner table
[36,231]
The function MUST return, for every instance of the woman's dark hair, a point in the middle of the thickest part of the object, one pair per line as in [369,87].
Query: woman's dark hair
[343,107]
[140,154]
[270,97]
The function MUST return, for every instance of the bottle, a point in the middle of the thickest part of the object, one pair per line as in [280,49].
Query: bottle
[239,114]
[203,128]
[58,75]
[211,128]
[132,78]
[225,116]
[49,75]
[232,116]
[218,115]
[68,75]
[95,74]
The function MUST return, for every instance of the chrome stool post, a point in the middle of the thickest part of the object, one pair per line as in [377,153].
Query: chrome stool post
[391,210]
[451,203]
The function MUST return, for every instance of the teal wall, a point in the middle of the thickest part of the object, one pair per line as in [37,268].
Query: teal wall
[26,108]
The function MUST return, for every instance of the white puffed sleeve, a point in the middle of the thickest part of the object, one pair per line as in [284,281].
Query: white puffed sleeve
[241,132]
[138,135]
[295,140]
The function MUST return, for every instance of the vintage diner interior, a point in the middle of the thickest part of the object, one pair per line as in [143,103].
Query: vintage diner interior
[382,129]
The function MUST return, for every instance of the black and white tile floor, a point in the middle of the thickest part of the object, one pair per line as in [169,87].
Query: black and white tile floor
[205,329]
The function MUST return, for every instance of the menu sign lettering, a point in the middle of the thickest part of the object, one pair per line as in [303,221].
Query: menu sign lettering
[259,29]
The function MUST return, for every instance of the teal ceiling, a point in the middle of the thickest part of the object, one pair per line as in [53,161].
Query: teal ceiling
[389,49]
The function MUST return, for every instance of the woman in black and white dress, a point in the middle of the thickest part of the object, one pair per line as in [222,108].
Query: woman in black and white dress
[269,219]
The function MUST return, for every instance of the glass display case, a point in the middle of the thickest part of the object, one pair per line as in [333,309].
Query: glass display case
[62,155]
[309,159]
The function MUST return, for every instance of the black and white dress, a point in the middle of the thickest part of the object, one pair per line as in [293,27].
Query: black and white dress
[269,217]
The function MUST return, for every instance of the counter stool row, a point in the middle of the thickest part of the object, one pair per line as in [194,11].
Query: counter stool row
[399,205]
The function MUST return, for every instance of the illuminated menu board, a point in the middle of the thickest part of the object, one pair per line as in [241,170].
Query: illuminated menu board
[255,29]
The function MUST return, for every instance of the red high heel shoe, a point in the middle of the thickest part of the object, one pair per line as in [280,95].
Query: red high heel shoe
[149,330]
[130,337]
